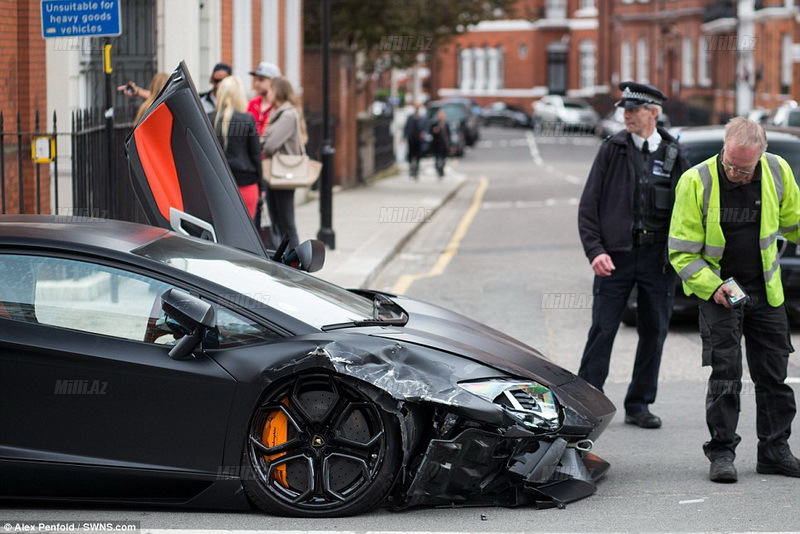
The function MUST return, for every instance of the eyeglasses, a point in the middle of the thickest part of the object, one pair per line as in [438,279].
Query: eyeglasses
[730,168]
[215,81]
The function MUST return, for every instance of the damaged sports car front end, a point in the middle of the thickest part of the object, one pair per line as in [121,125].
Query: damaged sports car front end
[482,418]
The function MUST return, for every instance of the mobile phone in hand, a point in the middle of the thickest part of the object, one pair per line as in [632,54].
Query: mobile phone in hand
[130,90]
[739,296]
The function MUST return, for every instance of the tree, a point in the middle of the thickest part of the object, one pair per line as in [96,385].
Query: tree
[397,31]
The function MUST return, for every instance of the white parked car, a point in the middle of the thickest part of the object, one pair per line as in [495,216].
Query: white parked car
[574,112]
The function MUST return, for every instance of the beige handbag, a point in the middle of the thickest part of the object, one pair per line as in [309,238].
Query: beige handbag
[290,171]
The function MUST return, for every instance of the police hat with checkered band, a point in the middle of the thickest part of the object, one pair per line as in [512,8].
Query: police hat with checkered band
[635,95]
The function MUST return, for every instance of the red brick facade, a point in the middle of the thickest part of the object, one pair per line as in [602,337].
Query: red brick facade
[23,89]
[688,48]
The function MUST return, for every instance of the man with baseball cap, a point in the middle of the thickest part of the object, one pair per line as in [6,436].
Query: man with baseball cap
[623,220]
[260,106]
[218,73]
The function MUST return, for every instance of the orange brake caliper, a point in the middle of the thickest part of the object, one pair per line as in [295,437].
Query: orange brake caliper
[276,433]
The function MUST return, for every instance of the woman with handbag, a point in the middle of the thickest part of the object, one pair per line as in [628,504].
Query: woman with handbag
[285,135]
[236,132]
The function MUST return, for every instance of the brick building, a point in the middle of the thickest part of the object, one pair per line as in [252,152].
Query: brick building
[22,51]
[711,57]
[543,46]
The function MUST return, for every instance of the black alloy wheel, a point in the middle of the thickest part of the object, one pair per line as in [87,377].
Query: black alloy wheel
[319,446]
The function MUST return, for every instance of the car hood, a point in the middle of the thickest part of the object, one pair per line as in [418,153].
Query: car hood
[180,174]
[435,327]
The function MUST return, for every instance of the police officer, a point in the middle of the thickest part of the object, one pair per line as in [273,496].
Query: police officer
[623,221]
[728,213]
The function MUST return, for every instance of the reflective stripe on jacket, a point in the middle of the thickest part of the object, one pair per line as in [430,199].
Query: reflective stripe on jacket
[696,242]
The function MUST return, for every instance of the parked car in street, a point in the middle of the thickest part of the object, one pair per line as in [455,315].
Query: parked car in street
[576,114]
[700,143]
[182,364]
[779,116]
[459,113]
[502,114]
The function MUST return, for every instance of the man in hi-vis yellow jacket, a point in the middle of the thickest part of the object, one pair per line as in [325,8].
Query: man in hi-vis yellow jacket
[728,213]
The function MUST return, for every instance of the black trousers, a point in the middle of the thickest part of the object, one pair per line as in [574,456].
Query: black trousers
[280,204]
[767,343]
[644,266]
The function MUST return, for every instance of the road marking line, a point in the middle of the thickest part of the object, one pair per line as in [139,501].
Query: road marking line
[692,501]
[533,148]
[405,281]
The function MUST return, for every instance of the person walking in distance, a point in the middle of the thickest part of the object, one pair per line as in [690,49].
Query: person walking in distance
[415,131]
[729,211]
[623,220]
[440,142]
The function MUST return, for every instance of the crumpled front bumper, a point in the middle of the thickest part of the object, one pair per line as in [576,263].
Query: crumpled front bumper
[482,467]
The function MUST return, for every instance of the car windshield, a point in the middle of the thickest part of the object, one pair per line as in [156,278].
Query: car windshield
[453,112]
[288,290]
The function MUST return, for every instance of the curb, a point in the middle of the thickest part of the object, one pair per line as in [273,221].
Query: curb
[406,238]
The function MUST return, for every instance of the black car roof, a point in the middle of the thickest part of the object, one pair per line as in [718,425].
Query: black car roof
[76,233]
[715,133]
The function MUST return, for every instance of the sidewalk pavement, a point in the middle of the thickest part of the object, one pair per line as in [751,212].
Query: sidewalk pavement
[372,222]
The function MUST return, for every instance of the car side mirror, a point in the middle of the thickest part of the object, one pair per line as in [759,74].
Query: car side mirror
[195,318]
[308,256]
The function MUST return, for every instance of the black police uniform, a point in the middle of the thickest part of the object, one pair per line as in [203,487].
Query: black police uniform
[624,212]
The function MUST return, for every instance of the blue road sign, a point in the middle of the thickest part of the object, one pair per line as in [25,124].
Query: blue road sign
[81,18]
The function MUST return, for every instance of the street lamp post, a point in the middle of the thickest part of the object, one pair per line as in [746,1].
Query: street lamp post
[326,234]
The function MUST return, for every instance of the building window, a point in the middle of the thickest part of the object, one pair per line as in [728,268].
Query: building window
[786,63]
[465,83]
[688,62]
[522,51]
[587,4]
[703,65]
[625,62]
[642,61]
[588,64]
[481,69]
[556,9]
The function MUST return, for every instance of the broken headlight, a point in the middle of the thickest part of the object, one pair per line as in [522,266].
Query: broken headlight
[530,402]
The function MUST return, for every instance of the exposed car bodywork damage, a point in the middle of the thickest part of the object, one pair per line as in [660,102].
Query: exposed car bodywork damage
[460,449]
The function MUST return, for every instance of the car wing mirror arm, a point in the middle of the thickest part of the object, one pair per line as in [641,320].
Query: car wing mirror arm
[194,316]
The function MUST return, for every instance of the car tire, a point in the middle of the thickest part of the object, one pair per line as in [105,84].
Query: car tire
[320,446]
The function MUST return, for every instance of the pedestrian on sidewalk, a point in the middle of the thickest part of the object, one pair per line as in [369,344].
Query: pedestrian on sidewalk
[218,73]
[728,212]
[440,142]
[623,220]
[261,106]
[415,133]
[236,132]
[286,134]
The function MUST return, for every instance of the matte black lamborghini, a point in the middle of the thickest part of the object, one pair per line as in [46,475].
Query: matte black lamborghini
[139,364]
